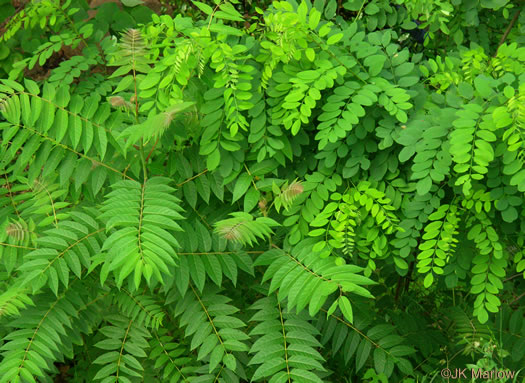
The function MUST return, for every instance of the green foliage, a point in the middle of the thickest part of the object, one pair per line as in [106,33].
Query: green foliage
[226,191]
[306,278]
[142,244]
[244,229]
[439,242]
[286,346]
[125,342]
[215,332]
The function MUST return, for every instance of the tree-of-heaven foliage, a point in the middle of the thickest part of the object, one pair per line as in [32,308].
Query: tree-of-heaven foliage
[254,191]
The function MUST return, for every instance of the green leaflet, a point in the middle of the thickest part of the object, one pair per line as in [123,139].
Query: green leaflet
[489,268]
[244,229]
[281,350]
[290,272]
[143,216]
[125,343]
[212,326]
[439,242]
[45,333]
[62,250]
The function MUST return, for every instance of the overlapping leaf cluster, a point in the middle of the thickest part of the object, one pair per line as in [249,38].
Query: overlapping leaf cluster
[311,194]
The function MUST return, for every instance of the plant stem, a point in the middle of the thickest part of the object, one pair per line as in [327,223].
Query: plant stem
[507,31]
[143,160]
